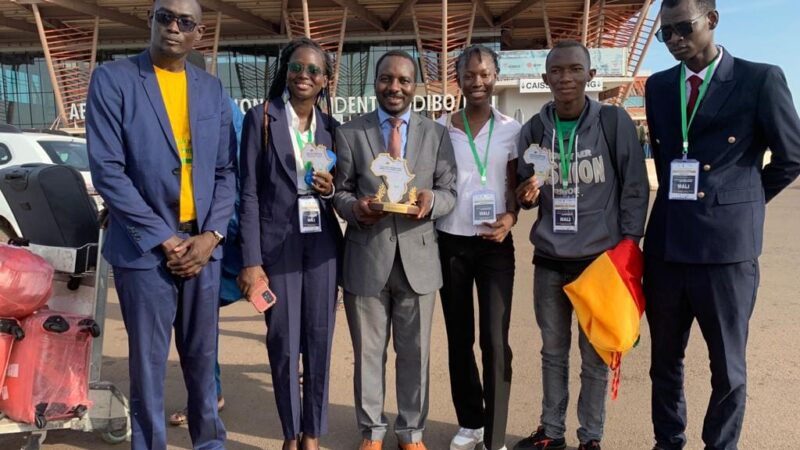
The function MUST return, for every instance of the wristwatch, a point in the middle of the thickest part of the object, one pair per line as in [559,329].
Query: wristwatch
[220,238]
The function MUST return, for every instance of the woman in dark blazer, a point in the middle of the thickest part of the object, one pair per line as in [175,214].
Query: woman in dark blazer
[295,255]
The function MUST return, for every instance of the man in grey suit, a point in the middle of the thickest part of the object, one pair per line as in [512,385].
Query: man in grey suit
[391,261]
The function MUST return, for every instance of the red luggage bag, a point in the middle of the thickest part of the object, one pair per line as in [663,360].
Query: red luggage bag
[10,331]
[47,376]
[26,281]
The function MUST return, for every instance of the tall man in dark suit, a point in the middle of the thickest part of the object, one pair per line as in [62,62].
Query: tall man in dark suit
[391,262]
[711,120]
[161,152]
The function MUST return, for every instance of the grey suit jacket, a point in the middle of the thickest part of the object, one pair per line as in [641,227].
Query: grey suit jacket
[370,251]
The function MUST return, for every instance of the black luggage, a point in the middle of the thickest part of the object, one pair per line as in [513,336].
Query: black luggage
[50,204]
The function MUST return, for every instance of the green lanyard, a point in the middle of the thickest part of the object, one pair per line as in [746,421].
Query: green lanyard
[700,94]
[301,144]
[566,156]
[481,164]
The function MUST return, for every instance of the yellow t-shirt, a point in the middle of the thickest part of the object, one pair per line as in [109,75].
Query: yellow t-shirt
[176,101]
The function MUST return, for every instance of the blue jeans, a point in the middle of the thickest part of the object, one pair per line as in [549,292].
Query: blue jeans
[554,317]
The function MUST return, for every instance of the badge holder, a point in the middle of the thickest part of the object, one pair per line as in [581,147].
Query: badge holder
[683,179]
[310,214]
[484,207]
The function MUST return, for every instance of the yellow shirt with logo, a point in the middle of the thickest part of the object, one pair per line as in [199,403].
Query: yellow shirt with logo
[176,100]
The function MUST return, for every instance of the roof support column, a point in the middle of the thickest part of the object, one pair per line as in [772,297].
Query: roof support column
[601,24]
[62,114]
[443,58]
[306,19]
[627,88]
[339,54]
[285,24]
[95,34]
[471,25]
[421,50]
[585,30]
[215,45]
[638,27]
[548,33]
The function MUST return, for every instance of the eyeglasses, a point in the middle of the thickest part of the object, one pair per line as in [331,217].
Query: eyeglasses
[682,29]
[165,18]
[296,67]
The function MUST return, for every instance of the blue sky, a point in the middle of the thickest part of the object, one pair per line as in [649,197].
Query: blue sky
[757,30]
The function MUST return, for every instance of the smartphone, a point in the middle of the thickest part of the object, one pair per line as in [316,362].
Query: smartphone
[262,298]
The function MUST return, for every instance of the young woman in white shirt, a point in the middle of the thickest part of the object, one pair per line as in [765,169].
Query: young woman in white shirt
[476,248]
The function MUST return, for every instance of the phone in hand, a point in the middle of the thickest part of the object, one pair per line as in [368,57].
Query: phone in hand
[262,297]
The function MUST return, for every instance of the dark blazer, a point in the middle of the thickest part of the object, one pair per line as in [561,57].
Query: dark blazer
[135,165]
[268,211]
[747,109]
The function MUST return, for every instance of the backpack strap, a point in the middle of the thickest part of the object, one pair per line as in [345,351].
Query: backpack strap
[537,129]
[608,122]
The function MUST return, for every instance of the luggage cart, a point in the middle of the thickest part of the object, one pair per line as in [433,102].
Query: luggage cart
[109,414]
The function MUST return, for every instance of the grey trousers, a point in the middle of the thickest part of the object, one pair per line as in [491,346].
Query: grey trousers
[554,316]
[407,316]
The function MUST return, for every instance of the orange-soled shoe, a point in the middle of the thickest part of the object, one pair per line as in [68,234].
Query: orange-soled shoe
[368,444]
[412,446]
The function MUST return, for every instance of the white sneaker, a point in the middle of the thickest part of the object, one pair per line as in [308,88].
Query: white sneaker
[467,439]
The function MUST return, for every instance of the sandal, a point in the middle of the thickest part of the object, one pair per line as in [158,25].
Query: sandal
[181,417]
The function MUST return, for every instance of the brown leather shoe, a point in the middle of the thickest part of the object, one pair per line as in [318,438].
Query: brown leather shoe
[368,444]
[412,446]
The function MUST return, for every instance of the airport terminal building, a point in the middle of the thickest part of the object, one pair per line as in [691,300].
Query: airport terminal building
[48,48]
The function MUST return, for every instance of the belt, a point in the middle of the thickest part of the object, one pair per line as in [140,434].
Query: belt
[189,227]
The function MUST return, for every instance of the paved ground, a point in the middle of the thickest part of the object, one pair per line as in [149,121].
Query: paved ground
[252,422]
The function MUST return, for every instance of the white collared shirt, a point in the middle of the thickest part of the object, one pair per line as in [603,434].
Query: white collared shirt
[294,127]
[702,73]
[468,179]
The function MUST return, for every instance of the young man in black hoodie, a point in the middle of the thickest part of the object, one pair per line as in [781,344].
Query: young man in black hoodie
[582,165]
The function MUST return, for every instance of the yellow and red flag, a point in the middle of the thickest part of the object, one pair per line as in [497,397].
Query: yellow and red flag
[609,303]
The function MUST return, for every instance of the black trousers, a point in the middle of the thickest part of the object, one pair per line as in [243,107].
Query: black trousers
[721,298]
[468,260]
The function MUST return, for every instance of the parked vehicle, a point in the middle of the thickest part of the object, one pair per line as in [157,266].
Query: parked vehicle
[40,146]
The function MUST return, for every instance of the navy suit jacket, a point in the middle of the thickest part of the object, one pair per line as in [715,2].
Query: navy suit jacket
[747,109]
[135,165]
[268,209]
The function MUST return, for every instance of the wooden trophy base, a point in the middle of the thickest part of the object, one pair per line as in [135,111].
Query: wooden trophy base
[397,208]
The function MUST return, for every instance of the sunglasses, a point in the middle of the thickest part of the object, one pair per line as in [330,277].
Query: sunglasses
[165,18]
[296,67]
[682,29]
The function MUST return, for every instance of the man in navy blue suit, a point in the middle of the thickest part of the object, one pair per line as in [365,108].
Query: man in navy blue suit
[161,150]
[711,120]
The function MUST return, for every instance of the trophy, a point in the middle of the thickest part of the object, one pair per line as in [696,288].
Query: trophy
[317,158]
[396,177]
[540,159]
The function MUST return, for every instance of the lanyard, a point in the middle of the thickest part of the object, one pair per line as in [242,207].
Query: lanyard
[299,138]
[700,94]
[481,164]
[566,156]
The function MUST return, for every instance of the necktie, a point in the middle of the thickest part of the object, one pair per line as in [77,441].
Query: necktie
[694,85]
[394,137]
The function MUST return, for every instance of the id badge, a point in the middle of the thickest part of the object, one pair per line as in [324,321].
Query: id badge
[483,207]
[683,179]
[565,214]
[310,215]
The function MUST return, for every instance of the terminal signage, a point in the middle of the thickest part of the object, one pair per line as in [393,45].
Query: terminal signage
[537,86]
[517,64]
[341,105]
[359,105]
